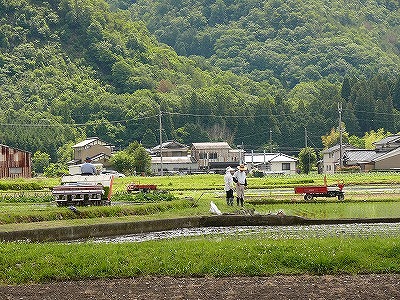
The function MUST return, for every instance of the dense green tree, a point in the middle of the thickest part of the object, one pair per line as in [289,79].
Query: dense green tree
[307,159]
[40,161]
[149,139]
[123,162]
[142,160]
[56,170]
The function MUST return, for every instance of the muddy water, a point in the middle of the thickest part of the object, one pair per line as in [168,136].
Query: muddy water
[271,232]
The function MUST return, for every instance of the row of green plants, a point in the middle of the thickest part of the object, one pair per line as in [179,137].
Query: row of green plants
[214,181]
[212,256]
[9,216]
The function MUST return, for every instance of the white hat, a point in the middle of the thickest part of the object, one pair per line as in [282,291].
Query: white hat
[228,169]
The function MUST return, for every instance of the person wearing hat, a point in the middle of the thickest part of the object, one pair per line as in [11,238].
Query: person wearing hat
[241,182]
[88,168]
[229,185]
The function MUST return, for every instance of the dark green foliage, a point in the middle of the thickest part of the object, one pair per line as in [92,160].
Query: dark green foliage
[291,41]
[307,159]
[71,69]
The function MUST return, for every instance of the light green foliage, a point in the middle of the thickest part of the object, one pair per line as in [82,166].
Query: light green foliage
[56,170]
[142,160]
[123,162]
[333,137]
[374,136]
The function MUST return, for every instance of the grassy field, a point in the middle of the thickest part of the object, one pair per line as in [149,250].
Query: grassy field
[200,256]
[207,256]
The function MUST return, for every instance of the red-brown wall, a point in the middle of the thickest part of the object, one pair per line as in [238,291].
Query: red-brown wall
[14,163]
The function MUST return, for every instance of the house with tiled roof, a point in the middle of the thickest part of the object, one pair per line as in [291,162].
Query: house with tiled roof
[385,156]
[362,158]
[330,158]
[93,147]
[175,158]
[215,155]
[271,163]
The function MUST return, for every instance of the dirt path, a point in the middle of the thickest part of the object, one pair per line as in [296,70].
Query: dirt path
[375,287]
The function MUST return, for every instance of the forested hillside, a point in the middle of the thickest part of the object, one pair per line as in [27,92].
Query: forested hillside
[76,68]
[286,40]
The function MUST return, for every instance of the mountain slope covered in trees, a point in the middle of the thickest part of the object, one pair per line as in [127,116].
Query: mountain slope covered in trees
[76,68]
[287,40]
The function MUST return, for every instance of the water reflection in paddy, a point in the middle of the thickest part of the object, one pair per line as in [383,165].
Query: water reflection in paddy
[271,232]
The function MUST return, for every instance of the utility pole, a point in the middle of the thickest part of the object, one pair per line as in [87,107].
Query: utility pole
[161,158]
[270,141]
[340,135]
[305,137]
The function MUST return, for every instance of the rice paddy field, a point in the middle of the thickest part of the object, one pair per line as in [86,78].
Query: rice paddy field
[29,205]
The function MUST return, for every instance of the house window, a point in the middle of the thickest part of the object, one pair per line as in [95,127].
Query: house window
[285,166]
[213,155]
[202,155]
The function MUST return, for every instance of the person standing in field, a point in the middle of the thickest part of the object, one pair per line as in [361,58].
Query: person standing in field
[229,184]
[241,182]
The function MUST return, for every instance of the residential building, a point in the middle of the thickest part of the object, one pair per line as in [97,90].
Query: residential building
[175,159]
[388,161]
[362,158]
[98,150]
[170,149]
[271,163]
[173,165]
[218,154]
[15,163]
[330,160]
[385,156]
[388,144]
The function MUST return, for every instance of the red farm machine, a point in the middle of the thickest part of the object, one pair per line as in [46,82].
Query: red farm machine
[311,192]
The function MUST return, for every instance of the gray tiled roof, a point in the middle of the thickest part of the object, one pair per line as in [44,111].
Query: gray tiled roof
[388,140]
[360,155]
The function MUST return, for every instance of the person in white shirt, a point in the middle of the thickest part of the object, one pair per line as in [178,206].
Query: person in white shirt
[88,168]
[241,182]
[229,184]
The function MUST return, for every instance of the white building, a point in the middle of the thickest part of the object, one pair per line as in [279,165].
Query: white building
[271,163]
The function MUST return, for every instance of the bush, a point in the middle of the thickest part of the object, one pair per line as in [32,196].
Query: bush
[257,173]
[352,169]
[20,184]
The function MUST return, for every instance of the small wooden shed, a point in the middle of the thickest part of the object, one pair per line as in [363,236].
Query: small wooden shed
[15,163]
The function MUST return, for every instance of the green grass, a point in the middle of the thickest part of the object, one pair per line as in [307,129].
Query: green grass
[28,214]
[215,181]
[255,255]
[208,256]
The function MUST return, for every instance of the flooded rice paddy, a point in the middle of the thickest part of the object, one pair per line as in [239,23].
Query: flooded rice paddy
[336,210]
[268,232]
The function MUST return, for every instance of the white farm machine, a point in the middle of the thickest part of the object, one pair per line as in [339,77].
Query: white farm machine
[81,190]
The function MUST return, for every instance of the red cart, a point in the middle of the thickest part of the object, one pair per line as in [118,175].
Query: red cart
[310,192]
